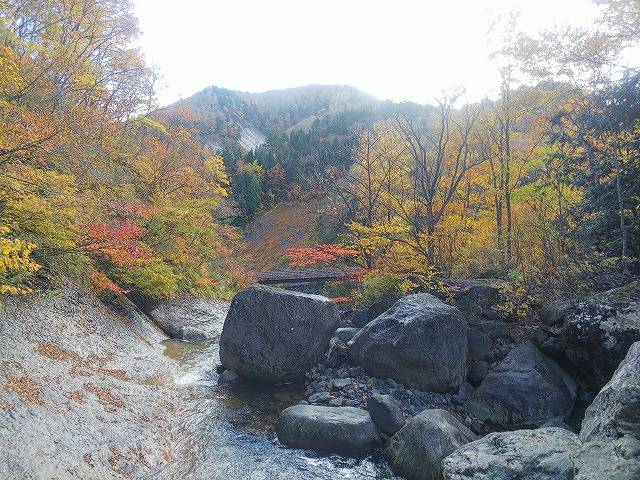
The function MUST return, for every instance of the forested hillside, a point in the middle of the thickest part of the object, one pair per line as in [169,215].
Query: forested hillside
[89,185]
[538,185]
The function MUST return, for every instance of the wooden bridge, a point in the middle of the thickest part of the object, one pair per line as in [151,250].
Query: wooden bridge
[307,275]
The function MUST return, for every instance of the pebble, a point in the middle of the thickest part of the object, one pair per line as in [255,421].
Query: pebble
[321,397]
[351,386]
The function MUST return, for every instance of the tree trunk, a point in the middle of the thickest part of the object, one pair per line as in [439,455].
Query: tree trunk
[624,265]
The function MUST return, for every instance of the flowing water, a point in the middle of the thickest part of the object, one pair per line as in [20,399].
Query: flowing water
[228,430]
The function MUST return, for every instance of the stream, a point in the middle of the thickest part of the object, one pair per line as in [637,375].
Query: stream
[227,431]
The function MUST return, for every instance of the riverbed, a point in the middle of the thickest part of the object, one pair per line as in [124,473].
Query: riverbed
[227,431]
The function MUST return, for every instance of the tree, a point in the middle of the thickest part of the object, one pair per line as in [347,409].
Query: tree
[441,155]
[604,136]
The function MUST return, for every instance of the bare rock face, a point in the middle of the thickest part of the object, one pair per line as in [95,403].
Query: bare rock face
[386,413]
[525,390]
[543,454]
[416,452]
[420,341]
[189,319]
[597,335]
[77,401]
[346,430]
[275,336]
[615,412]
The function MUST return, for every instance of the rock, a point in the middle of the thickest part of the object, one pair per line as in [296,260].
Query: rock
[492,328]
[557,312]
[417,450]
[190,319]
[609,460]
[360,318]
[340,383]
[476,297]
[386,412]
[320,397]
[538,337]
[338,354]
[525,390]
[419,341]
[275,336]
[346,334]
[81,373]
[336,402]
[378,308]
[478,344]
[229,376]
[346,430]
[615,411]
[584,398]
[597,337]
[466,389]
[557,422]
[543,454]
[477,372]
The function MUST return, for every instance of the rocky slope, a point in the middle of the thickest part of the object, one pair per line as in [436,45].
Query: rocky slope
[85,392]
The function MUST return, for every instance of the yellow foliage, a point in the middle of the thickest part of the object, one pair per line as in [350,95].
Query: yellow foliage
[16,265]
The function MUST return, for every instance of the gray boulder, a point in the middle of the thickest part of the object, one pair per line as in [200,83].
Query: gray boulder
[417,450]
[386,412]
[556,312]
[615,411]
[420,341]
[338,354]
[275,336]
[609,459]
[596,338]
[492,328]
[478,344]
[190,319]
[543,454]
[346,334]
[478,371]
[525,390]
[345,430]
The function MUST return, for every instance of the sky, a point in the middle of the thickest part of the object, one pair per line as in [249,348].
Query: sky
[397,50]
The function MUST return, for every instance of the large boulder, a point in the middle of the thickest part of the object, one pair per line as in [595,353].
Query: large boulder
[419,341]
[596,338]
[274,335]
[543,454]
[525,390]
[346,430]
[478,344]
[386,412]
[609,459]
[473,296]
[190,319]
[615,411]
[417,450]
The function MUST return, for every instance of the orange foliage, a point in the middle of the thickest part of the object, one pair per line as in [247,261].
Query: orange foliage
[120,243]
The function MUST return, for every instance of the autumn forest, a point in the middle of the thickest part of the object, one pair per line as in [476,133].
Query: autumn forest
[538,186]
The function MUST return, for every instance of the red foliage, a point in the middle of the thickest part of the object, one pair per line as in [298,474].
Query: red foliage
[120,243]
[340,299]
[322,253]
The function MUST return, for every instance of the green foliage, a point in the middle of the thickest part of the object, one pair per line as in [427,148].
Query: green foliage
[376,287]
